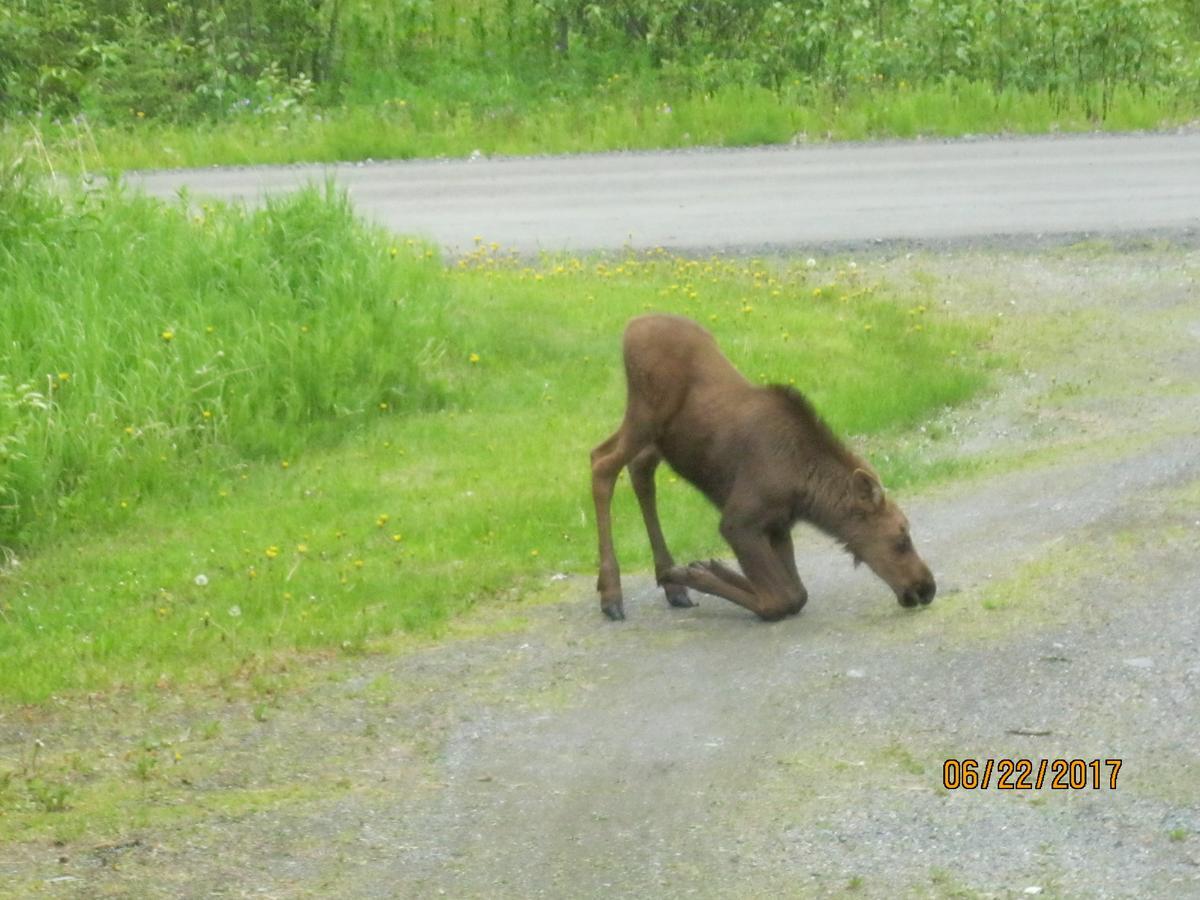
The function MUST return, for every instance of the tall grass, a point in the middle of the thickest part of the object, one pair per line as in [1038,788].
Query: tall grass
[617,117]
[365,442]
[146,341]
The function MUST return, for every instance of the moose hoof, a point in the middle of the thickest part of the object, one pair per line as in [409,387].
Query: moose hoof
[678,596]
[614,610]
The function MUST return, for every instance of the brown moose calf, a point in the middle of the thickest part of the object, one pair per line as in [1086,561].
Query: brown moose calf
[762,456]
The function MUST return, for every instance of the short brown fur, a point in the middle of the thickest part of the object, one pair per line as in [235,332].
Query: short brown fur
[766,460]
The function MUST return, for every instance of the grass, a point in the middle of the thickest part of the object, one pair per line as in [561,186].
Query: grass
[155,344]
[621,114]
[365,443]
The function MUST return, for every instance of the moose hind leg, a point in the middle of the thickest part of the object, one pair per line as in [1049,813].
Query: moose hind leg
[608,458]
[641,474]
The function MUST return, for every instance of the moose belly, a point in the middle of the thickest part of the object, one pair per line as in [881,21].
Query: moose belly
[699,462]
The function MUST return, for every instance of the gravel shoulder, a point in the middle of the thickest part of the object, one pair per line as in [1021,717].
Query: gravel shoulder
[545,752]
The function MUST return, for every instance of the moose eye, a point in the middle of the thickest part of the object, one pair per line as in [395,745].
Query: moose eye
[904,545]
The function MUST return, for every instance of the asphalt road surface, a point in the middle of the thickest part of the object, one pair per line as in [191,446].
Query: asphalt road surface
[827,196]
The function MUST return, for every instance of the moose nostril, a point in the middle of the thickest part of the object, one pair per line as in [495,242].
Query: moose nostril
[927,591]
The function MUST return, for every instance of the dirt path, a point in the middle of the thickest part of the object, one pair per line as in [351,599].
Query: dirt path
[703,753]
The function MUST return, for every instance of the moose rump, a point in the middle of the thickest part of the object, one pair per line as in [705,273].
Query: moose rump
[764,459]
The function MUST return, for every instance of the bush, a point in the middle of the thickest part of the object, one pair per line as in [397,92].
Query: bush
[163,58]
[119,58]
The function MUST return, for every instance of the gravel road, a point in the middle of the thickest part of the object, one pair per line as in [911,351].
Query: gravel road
[703,753]
[821,196]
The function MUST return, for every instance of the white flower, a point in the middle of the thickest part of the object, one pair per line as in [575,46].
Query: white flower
[235,611]
[201,580]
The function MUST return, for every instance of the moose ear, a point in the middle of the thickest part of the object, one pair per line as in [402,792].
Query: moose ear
[867,489]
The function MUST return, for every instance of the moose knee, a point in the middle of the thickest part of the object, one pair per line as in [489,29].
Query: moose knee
[798,602]
[773,612]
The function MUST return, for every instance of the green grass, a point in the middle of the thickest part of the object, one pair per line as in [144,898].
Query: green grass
[619,115]
[153,344]
[388,442]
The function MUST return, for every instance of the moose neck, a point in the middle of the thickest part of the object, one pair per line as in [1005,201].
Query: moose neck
[826,497]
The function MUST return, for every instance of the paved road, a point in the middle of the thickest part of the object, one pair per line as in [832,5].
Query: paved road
[819,196]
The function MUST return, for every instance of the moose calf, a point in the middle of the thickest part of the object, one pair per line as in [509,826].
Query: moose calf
[762,456]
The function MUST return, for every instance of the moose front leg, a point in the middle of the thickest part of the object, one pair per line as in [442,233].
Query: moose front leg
[769,588]
[703,577]
[781,542]
[737,579]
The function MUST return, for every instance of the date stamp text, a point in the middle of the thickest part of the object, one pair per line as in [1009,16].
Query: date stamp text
[1030,775]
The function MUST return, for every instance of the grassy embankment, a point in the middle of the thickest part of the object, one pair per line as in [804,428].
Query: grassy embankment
[613,119]
[230,436]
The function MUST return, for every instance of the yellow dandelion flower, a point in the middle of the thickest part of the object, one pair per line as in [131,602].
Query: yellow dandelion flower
[167,335]
[382,519]
[272,552]
[473,358]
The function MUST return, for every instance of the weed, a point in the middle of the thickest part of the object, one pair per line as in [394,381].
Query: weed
[49,796]
[145,765]
[903,758]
